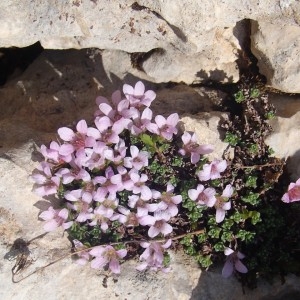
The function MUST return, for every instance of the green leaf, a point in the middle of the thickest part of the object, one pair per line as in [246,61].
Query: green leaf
[148,141]
[255,217]
[239,97]
[251,181]
[253,148]
[219,247]
[231,139]
[204,260]
[214,232]
[254,93]
[202,237]
[227,224]
[251,198]
[245,235]
[237,217]
[226,236]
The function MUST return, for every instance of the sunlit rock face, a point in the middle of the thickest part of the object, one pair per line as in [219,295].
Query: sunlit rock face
[180,41]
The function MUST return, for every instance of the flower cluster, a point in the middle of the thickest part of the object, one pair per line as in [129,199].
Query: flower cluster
[105,176]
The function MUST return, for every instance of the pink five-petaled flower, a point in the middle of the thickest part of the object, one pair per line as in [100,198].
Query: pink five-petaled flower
[127,217]
[191,147]
[84,137]
[120,117]
[141,205]
[75,171]
[108,131]
[103,214]
[110,183]
[139,184]
[159,224]
[55,218]
[153,256]
[167,127]
[137,95]
[233,263]
[169,201]
[293,193]
[79,204]
[143,123]
[107,255]
[138,159]
[221,205]
[45,183]
[203,196]
[212,170]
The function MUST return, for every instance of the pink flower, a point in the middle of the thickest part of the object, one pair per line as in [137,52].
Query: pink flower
[103,214]
[95,157]
[137,95]
[79,204]
[203,196]
[86,193]
[117,153]
[169,201]
[160,224]
[138,159]
[84,137]
[109,132]
[107,255]
[120,117]
[222,205]
[141,205]
[167,127]
[233,263]
[127,217]
[191,147]
[153,256]
[76,172]
[107,206]
[293,193]
[127,182]
[45,183]
[143,123]
[55,218]
[212,170]
[139,185]
[110,183]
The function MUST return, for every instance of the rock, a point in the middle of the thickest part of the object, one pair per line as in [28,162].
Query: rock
[277,49]
[286,131]
[179,41]
[128,27]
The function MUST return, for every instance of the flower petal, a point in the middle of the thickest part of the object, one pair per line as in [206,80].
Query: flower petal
[81,127]
[114,266]
[240,267]
[66,134]
[227,269]
[220,215]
